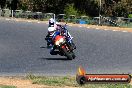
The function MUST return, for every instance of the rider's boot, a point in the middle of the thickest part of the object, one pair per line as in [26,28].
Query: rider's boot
[52,51]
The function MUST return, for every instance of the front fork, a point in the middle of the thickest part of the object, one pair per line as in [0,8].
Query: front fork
[66,45]
[60,52]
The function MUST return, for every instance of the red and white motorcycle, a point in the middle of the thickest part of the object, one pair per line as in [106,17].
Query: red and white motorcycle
[64,48]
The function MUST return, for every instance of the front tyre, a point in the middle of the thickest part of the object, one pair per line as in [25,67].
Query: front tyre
[73,55]
[67,54]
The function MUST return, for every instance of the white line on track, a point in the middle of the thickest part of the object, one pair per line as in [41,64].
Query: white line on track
[106,29]
[88,27]
[7,19]
[115,30]
[17,20]
[38,22]
[70,25]
[80,26]
[124,31]
[96,28]
[29,21]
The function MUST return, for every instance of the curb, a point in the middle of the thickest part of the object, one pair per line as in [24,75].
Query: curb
[106,28]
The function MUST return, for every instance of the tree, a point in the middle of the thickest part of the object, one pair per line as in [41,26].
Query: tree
[14,4]
[70,10]
[88,7]
[57,6]
[8,4]
[2,3]
[117,8]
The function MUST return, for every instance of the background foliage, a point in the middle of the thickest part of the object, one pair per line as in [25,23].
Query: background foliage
[74,7]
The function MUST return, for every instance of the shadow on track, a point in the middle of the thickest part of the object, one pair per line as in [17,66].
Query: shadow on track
[65,59]
[45,47]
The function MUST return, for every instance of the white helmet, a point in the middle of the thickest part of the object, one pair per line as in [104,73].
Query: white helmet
[51,29]
[51,22]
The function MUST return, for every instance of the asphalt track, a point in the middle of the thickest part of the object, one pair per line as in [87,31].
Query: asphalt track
[98,51]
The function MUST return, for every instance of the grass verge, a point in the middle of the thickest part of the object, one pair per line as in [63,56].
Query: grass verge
[4,86]
[71,82]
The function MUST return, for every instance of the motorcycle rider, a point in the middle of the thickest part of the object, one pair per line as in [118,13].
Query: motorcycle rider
[57,27]
[51,29]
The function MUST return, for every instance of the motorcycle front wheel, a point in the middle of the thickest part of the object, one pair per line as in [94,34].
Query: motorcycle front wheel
[67,54]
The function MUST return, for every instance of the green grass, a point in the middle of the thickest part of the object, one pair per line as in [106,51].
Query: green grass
[127,25]
[53,81]
[4,86]
[70,81]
